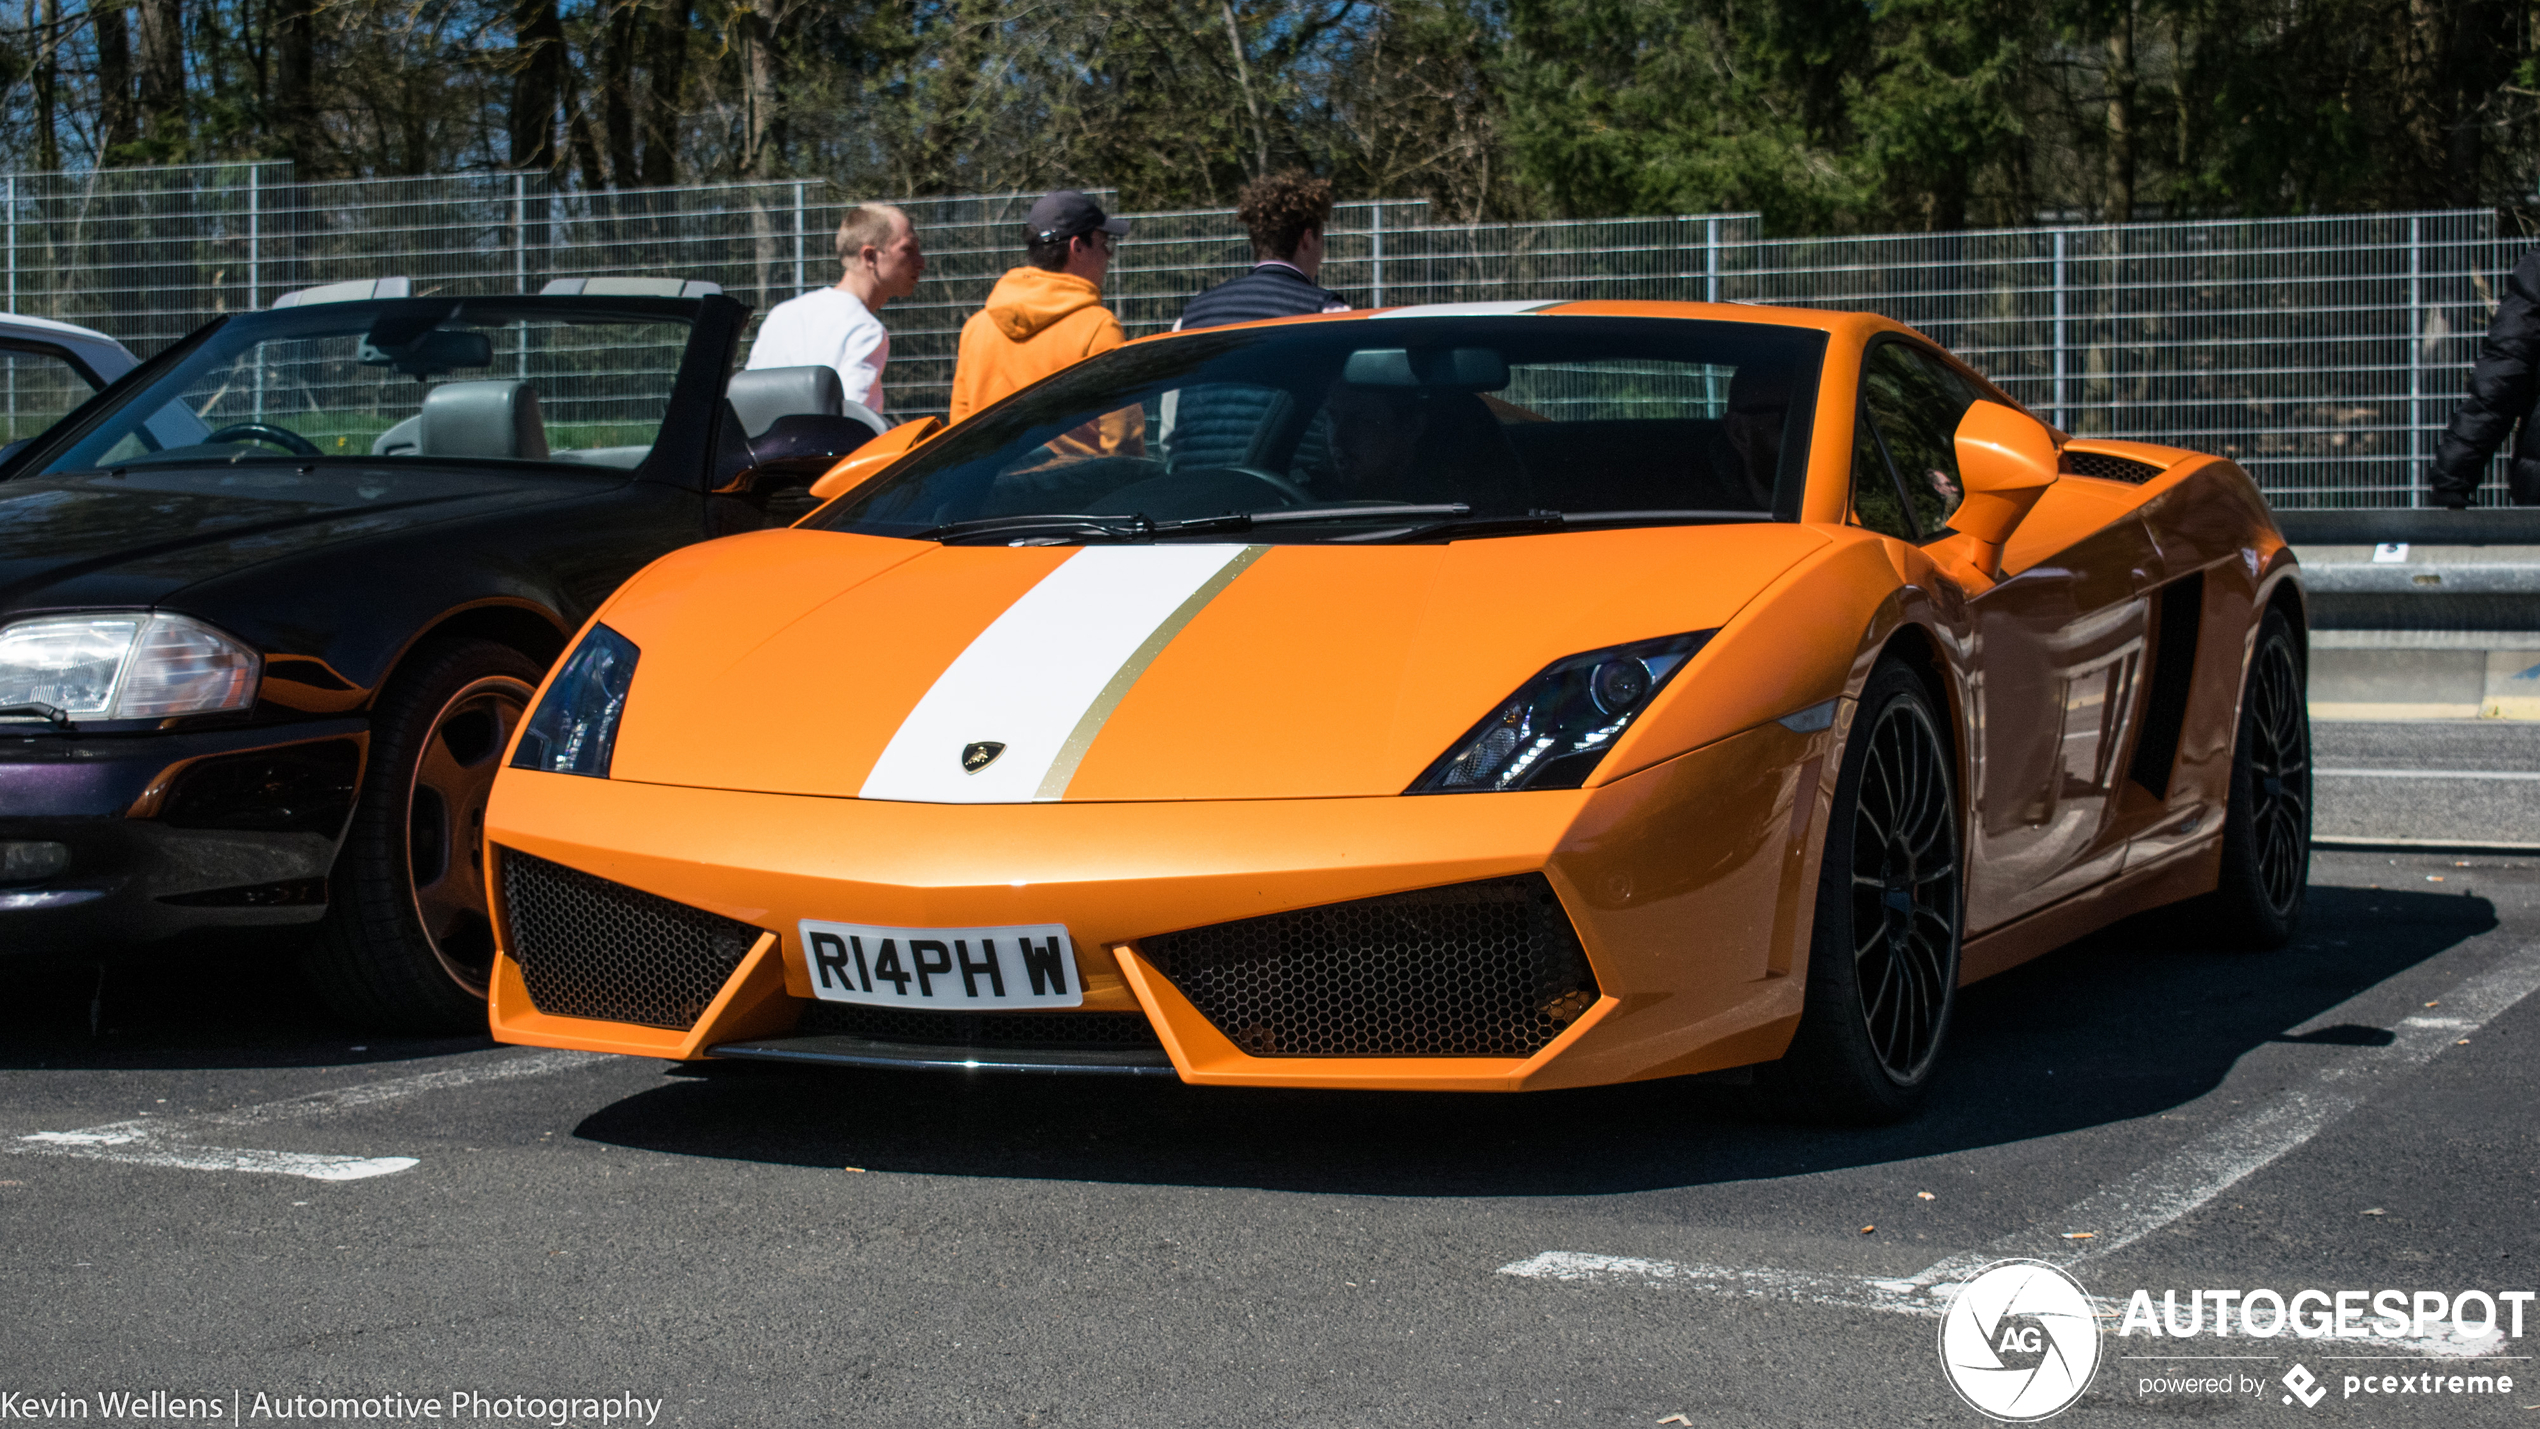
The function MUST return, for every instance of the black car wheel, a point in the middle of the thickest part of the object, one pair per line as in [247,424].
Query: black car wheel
[1883,964]
[2266,853]
[408,943]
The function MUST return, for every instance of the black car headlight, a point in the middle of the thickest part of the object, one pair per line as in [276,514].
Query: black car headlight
[575,727]
[1551,733]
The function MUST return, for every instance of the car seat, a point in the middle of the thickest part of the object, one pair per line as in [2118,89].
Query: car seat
[498,419]
[1464,456]
[761,395]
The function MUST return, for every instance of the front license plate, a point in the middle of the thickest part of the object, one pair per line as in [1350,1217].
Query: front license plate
[948,969]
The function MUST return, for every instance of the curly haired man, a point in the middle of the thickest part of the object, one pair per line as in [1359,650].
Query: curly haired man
[1286,214]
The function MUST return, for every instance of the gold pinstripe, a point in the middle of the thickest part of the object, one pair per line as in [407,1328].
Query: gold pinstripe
[1062,770]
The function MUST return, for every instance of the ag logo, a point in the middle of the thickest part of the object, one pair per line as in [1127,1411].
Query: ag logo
[975,757]
[2020,1343]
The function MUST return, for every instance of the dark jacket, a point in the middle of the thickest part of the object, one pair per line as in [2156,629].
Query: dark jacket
[1270,290]
[1220,426]
[2502,390]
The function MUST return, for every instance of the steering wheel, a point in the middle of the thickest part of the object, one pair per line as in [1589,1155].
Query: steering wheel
[268,433]
[1289,491]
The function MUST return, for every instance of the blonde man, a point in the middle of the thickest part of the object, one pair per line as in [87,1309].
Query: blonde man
[835,326]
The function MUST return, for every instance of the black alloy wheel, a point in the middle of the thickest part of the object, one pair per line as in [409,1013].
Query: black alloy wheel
[1883,963]
[1904,891]
[445,824]
[2266,854]
[408,941]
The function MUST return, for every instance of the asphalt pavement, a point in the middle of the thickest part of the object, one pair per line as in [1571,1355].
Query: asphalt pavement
[209,1189]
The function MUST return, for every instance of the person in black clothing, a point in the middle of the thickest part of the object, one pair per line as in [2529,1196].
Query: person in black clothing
[1286,214]
[2502,390]
[1224,425]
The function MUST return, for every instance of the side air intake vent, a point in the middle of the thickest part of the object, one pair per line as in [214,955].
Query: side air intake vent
[588,947]
[1489,969]
[2108,467]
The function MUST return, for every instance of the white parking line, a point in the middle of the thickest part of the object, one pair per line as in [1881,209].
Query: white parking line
[2134,1207]
[166,1141]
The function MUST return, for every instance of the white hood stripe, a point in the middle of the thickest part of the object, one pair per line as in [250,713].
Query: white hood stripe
[1043,677]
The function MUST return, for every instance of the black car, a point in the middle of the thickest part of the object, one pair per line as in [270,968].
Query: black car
[272,604]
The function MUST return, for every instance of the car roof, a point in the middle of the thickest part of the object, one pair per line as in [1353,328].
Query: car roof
[1827,320]
[23,325]
[106,357]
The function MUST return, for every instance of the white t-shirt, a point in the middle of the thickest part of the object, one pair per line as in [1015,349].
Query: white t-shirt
[827,327]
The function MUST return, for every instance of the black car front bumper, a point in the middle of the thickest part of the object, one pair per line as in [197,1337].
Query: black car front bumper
[174,831]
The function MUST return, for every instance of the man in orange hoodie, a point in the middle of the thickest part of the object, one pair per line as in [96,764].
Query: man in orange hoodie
[1048,315]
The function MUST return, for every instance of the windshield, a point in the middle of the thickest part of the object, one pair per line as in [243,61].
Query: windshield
[1426,423]
[496,380]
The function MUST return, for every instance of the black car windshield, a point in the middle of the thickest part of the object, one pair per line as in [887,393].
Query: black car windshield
[1386,429]
[507,380]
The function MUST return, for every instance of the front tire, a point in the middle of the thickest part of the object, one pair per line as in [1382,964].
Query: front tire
[1883,962]
[2266,852]
[408,940]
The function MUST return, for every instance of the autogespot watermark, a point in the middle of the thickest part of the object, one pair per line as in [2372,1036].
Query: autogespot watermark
[2022,1341]
[241,1407]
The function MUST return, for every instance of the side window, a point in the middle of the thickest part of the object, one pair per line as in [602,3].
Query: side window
[1915,402]
[40,388]
[1874,501]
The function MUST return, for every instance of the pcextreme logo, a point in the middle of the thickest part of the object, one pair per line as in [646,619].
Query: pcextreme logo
[2020,1344]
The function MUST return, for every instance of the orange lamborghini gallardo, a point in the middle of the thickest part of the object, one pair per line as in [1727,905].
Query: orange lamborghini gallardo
[1490,697]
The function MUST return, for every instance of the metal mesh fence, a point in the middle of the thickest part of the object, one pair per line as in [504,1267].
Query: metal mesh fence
[2325,354]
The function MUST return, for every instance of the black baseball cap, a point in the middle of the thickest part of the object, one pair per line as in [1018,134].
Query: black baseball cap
[1066,214]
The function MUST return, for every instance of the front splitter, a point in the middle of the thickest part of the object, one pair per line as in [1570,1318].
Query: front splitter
[839,1050]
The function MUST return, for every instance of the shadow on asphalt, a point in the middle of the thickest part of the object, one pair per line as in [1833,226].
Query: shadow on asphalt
[216,1000]
[2128,1023]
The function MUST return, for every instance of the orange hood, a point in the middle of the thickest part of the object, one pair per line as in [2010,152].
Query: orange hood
[1027,300]
[823,663]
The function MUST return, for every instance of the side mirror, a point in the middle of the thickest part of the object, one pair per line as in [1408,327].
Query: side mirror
[794,451]
[874,455]
[2006,459]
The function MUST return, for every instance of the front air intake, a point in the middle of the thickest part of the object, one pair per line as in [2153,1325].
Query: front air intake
[1488,969]
[588,947]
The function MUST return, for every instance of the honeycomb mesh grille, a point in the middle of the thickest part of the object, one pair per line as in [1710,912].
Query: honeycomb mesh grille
[2109,468]
[1489,969]
[591,948]
[1127,1030]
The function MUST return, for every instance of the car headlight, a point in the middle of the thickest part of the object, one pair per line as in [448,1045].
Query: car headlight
[129,665]
[574,730]
[1551,733]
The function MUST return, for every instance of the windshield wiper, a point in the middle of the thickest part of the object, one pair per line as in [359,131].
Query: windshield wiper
[1140,527]
[1100,528]
[1307,515]
[1513,522]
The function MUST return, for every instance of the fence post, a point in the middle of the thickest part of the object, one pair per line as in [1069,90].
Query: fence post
[1710,260]
[1376,232]
[520,232]
[520,264]
[800,281]
[2060,284]
[12,202]
[2416,362]
[255,296]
